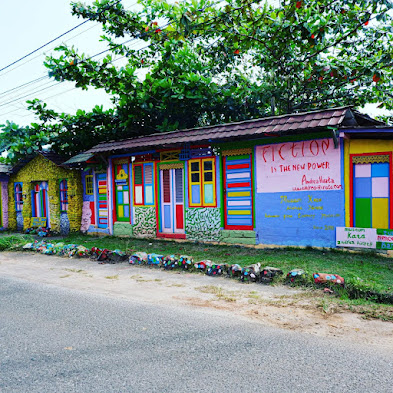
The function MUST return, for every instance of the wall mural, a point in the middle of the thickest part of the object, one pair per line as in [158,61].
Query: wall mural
[299,193]
[145,221]
[19,221]
[298,166]
[86,216]
[64,224]
[203,224]
[36,170]
[4,203]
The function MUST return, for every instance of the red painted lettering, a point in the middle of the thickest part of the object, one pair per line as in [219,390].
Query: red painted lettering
[293,149]
[264,149]
[325,145]
[279,151]
[316,148]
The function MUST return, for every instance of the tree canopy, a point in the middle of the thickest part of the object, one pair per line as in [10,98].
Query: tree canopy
[203,62]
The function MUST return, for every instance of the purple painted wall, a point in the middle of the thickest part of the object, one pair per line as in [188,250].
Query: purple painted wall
[4,203]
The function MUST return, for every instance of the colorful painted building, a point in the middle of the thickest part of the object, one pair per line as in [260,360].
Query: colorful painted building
[44,193]
[4,178]
[284,180]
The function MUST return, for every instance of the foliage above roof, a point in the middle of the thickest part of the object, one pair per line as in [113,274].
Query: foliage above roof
[202,63]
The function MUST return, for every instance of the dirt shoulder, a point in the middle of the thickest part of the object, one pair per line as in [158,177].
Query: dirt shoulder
[287,308]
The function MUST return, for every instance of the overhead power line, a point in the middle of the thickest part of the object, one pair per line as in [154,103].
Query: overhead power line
[42,46]
[49,87]
[69,39]
[40,54]
[49,42]
[26,92]
[29,95]
[95,55]
[24,84]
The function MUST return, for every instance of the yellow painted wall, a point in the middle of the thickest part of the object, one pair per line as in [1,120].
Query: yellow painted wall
[41,169]
[360,146]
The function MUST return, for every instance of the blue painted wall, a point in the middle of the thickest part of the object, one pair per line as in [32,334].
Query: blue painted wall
[86,197]
[299,218]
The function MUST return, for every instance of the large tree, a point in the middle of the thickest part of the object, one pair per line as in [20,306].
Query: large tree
[204,62]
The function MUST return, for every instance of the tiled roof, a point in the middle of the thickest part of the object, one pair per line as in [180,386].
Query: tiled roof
[53,157]
[251,129]
[49,155]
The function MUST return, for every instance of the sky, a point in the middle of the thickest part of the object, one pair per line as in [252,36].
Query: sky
[27,25]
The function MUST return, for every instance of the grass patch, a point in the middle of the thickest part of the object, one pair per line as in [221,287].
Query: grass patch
[210,289]
[367,267]
[75,270]
[115,277]
[227,296]
[135,277]
[14,242]
[368,275]
[367,309]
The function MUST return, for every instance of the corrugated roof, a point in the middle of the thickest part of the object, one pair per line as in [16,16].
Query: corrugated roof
[82,157]
[292,123]
[5,168]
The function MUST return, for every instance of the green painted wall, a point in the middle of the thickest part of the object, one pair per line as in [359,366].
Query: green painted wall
[238,237]
[123,229]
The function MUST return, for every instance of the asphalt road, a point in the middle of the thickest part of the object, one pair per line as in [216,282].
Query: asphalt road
[60,340]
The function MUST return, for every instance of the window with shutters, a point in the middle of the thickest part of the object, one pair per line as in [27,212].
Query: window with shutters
[179,185]
[89,185]
[166,189]
[202,182]
[143,184]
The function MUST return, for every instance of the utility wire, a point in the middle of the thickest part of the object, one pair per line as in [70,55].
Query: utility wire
[31,91]
[39,55]
[28,95]
[25,84]
[97,54]
[43,46]
[56,84]
[69,39]
[49,42]
[46,76]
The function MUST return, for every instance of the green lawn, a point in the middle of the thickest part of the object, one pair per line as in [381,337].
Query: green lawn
[366,271]
[369,268]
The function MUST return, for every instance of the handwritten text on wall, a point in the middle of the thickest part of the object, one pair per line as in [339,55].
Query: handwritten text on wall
[312,165]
